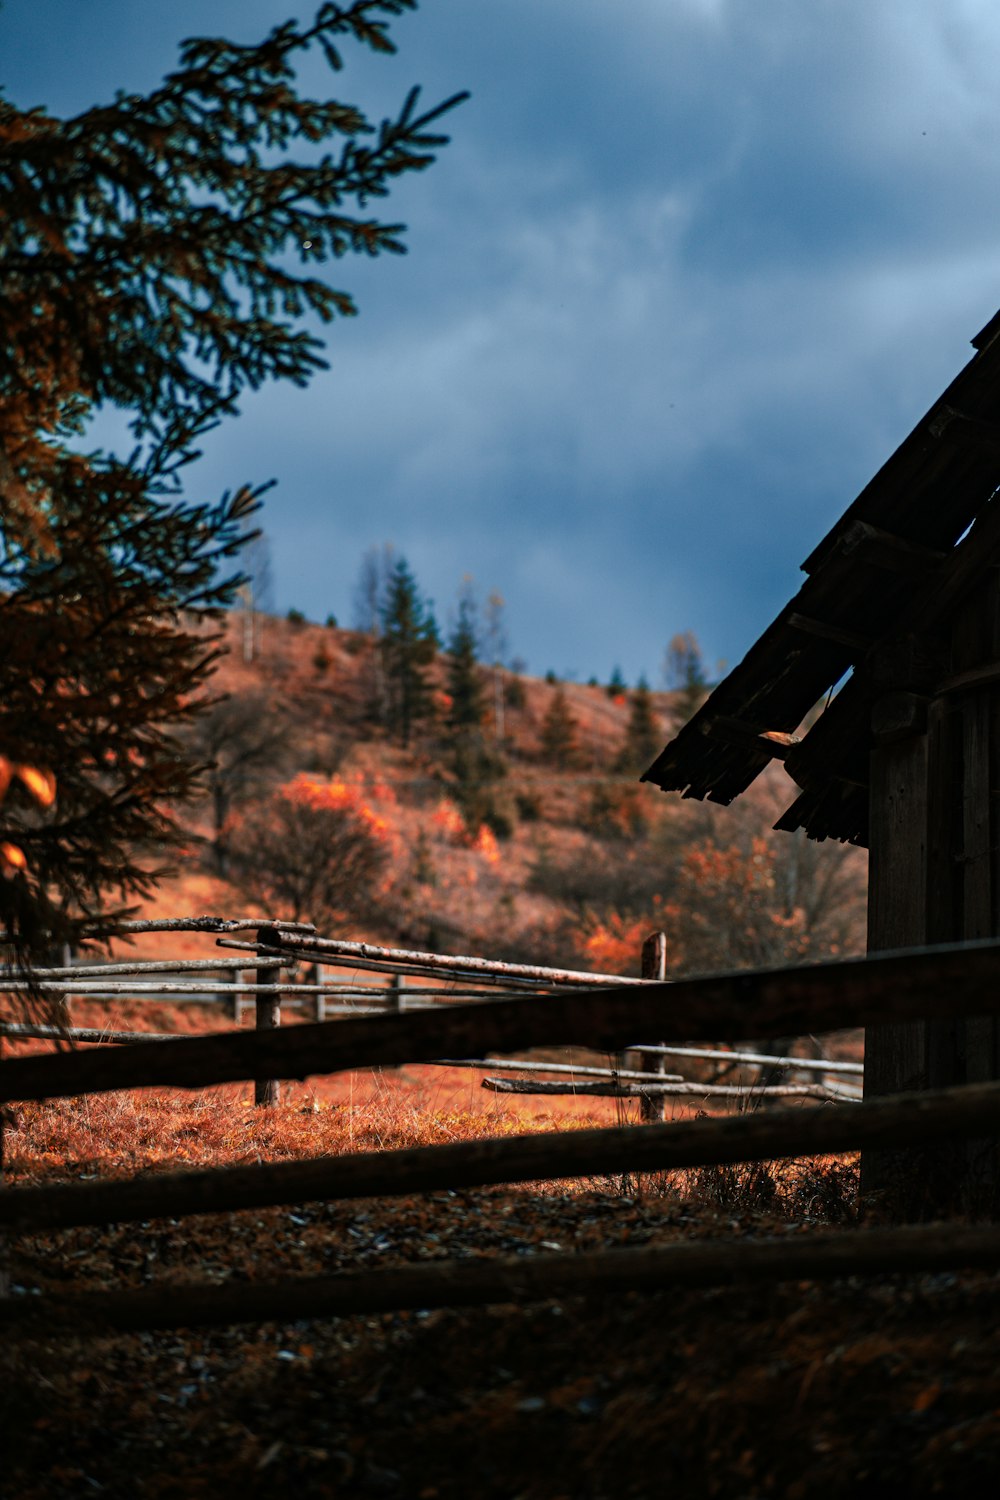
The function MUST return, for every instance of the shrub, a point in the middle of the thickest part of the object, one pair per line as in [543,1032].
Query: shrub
[529,806]
[295,617]
[315,852]
[516,696]
[616,810]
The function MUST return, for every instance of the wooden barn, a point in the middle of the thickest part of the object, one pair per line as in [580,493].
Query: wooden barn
[903,594]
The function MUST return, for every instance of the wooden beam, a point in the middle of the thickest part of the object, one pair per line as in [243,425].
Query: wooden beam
[513,1279]
[852,639]
[947,422]
[773,742]
[761,1136]
[881,548]
[761,1003]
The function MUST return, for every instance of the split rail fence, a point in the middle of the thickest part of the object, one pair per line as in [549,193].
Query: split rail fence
[777,1003]
[639,1073]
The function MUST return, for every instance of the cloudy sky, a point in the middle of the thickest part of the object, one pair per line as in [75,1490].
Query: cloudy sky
[688,273]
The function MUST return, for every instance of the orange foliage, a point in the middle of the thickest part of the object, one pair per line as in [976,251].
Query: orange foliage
[613,945]
[42,787]
[447,817]
[12,858]
[312,791]
[485,843]
[734,914]
[449,820]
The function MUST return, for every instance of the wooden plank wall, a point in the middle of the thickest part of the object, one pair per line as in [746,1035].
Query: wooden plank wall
[935,878]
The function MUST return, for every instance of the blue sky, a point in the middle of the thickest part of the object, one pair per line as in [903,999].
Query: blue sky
[688,273]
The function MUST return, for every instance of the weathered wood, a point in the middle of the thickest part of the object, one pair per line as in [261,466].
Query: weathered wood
[26,1030]
[653,965]
[898,716]
[492,1064]
[266,1091]
[792,1132]
[773,742]
[210,925]
[897,895]
[94,989]
[333,950]
[854,640]
[514,1279]
[776,1002]
[760,1059]
[656,1089]
[85,972]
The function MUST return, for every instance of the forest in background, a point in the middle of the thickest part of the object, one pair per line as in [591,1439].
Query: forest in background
[383,782]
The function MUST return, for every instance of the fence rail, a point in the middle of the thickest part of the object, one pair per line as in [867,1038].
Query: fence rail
[897,1120]
[779,1002]
[464,1283]
[605,1017]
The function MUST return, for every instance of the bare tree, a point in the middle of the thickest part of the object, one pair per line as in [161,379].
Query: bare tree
[256,595]
[308,862]
[372,588]
[244,744]
[684,673]
[495,647]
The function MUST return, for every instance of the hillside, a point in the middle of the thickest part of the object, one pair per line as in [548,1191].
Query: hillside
[575,862]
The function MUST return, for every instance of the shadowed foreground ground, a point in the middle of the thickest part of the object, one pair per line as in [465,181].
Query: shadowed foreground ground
[888,1385]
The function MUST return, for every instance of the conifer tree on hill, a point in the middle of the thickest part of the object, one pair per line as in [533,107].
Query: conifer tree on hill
[643,736]
[475,763]
[157,254]
[559,733]
[409,644]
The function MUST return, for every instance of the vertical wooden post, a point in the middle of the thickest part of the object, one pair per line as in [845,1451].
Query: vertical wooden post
[654,966]
[267,1091]
[394,1000]
[319,1010]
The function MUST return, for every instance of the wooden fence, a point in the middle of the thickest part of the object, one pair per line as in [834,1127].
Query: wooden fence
[446,979]
[959,981]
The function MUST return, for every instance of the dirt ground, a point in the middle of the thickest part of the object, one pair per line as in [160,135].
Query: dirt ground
[871,1386]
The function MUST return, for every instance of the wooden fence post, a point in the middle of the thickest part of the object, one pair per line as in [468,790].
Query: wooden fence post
[654,966]
[267,1091]
[313,974]
[393,1002]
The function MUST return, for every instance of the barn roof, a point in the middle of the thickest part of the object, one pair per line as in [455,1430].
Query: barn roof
[895,566]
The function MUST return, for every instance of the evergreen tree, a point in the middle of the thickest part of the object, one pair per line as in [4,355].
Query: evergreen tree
[617,687]
[559,743]
[643,737]
[147,254]
[476,765]
[465,687]
[409,644]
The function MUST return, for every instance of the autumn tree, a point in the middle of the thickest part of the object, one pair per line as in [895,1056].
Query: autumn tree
[684,675]
[496,646]
[243,742]
[312,852]
[408,645]
[158,254]
[559,732]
